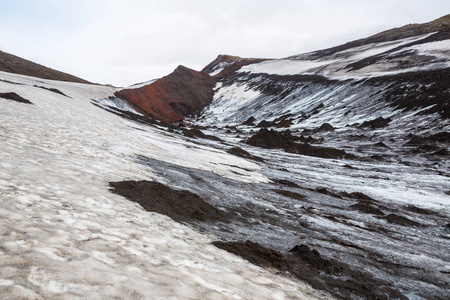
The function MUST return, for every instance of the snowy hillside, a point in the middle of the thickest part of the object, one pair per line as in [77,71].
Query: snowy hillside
[65,236]
[318,176]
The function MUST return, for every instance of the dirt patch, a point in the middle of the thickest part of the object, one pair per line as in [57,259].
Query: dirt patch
[180,205]
[308,265]
[272,139]
[242,153]
[15,97]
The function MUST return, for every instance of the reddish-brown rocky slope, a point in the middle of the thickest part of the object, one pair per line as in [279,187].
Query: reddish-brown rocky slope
[173,97]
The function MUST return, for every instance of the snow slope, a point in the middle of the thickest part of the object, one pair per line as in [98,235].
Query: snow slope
[63,235]
[435,55]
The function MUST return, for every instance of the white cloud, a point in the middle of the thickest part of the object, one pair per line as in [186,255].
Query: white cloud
[123,42]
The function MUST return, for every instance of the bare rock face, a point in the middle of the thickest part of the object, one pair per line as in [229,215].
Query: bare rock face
[173,97]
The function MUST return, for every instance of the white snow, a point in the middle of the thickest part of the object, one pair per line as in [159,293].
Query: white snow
[335,66]
[141,84]
[63,235]
[285,67]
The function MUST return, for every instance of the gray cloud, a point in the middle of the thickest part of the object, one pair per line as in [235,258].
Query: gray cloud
[123,42]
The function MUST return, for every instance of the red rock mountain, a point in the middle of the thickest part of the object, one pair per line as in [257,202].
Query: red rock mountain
[173,97]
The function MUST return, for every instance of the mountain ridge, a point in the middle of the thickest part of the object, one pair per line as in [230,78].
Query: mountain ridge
[14,64]
[173,97]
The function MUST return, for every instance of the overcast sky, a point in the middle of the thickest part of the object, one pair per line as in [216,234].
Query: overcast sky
[130,41]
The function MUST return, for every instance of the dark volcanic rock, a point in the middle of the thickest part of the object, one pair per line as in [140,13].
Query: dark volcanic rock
[15,97]
[51,90]
[283,140]
[419,210]
[367,208]
[173,97]
[447,227]
[279,124]
[181,206]
[256,254]
[308,265]
[379,122]
[325,127]
[250,121]
[401,220]
[290,194]
[325,191]
[357,195]
[265,123]
[195,133]
[242,153]
[313,259]
[285,182]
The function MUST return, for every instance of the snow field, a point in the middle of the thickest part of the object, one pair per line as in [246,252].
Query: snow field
[63,235]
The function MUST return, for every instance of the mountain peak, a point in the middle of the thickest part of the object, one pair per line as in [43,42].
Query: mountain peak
[182,93]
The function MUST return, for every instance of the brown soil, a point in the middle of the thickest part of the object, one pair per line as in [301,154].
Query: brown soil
[14,64]
[15,97]
[181,206]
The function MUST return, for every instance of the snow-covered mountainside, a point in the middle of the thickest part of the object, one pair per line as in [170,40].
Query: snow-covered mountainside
[328,169]
[363,131]
[64,235]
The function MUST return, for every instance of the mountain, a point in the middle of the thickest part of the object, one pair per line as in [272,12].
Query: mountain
[343,134]
[318,176]
[14,64]
[173,97]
